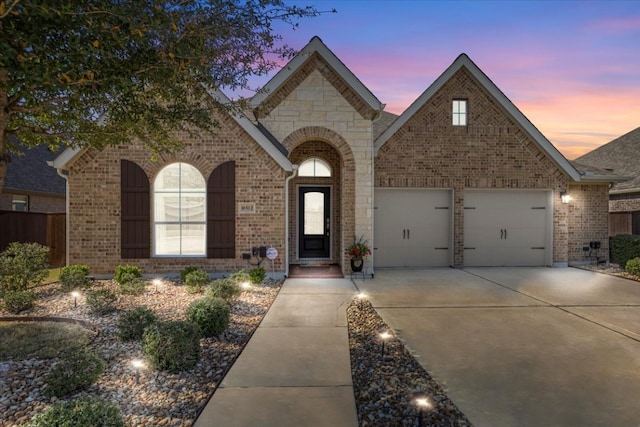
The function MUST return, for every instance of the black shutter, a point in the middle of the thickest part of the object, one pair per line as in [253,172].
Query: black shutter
[135,228]
[221,212]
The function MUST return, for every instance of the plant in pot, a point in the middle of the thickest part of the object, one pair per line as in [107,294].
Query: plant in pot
[358,250]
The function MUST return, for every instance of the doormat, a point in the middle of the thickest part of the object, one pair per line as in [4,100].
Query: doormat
[332,271]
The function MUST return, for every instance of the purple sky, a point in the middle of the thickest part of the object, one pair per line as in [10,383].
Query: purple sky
[572,67]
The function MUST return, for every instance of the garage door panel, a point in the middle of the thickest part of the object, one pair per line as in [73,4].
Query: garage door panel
[412,228]
[505,228]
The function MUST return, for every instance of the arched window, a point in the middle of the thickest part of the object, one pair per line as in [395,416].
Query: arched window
[314,167]
[179,211]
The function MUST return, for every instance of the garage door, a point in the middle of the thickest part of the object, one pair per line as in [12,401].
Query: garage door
[412,228]
[506,228]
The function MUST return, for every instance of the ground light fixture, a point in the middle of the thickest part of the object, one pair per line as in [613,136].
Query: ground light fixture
[361,297]
[384,336]
[245,285]
[75,295]
[423,404]
[157,283]
[138,364]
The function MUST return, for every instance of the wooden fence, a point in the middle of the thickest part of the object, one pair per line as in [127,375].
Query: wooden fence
[33,227]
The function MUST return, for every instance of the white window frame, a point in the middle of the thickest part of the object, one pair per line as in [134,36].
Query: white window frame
[459,112]
[315,173]
[18,199]
[180,193]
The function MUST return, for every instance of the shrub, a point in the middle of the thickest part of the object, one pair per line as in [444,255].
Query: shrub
[226,289]
[131,325]
[125,273]
[101,301]
[210,314]
[185,271]
[196,280]
[257,275]
[75,371]
[132,285]
[74,277]
[18,301]
[172,346]
[23,265]
[623,248]
[84,412]
[633,266]
[240,277]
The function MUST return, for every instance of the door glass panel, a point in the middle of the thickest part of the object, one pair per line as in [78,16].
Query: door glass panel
[313,213]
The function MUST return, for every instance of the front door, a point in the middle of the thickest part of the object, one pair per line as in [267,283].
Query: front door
[314,226]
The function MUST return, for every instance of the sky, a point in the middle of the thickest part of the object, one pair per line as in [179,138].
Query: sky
[571,67]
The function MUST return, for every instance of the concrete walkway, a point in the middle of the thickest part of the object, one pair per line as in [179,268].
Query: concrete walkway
[296,368]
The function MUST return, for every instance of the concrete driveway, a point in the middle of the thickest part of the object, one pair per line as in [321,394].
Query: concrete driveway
[521,346]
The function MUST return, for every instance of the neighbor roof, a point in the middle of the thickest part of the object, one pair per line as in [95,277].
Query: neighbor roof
[29,172]
[620,156]
[463,61]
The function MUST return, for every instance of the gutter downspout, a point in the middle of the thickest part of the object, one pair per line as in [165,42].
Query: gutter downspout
[286,219]
[60,172]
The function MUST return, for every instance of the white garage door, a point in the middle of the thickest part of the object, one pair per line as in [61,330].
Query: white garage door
[506,228]
[412,228]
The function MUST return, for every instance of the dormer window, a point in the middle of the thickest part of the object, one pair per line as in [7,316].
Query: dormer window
[315,168]
[459,112]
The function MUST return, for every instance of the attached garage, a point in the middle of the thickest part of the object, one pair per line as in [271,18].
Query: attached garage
[507,228]
[412,227]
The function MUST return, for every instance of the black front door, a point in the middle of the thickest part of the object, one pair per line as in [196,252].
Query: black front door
[314,226]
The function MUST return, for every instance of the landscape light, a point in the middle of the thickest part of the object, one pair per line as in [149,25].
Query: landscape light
[157,282]
[361,297]
[421,400]
[137,365]
[75,295]
[246,285]
[384,336]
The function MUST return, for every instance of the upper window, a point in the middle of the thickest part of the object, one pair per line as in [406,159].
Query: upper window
[314,167]
[20,203]
[179,213]
[459,112]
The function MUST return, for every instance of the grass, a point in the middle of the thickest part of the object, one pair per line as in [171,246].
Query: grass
[24,340]
[54,274]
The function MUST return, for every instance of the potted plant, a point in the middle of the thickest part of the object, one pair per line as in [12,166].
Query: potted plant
[357,251]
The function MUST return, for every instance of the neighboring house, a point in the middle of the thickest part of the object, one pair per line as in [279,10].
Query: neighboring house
[31,185]
[461,178]
[621,157]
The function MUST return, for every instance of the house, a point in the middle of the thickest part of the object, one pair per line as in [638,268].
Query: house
[622,157]
[30,185]
[461,178]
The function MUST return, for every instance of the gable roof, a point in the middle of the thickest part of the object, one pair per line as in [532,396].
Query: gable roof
[620,156]
[463,61]
[316,48]
[29,172]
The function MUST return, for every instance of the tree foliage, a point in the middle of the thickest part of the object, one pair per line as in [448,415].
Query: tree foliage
[90,73]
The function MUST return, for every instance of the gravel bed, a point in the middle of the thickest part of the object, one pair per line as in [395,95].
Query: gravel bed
[384,387]
[160,398]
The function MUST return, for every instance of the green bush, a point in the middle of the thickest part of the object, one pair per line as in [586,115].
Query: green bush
[131,325]
[75,371]
[74,277]
[172,346]
[18,301]
[132,285]
[210,314]
[623,248]
[185,271]
[240,277]
[101,301]
[633,266]
[257,275]
[84,412]
[125,273]
[196,281]
[23,265]
[226,289]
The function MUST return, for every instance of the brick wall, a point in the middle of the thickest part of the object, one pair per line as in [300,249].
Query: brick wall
[627,202]
[588,219]
[37,202]
[492,151]
[94,212]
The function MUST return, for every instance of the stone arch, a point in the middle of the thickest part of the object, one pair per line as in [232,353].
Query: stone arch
[346,189]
